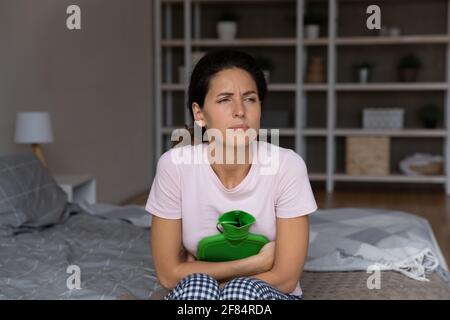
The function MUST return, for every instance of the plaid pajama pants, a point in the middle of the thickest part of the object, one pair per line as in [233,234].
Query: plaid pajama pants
[200,286]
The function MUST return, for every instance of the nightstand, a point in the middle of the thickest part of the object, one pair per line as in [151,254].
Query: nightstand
[78,187]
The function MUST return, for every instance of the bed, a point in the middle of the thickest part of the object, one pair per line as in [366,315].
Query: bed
[47,244]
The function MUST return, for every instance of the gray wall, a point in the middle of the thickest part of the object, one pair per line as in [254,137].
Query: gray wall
[96,83]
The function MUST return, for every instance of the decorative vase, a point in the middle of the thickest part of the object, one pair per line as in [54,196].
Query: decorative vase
[363,75]
[312,31]
[315,71]
[227,30]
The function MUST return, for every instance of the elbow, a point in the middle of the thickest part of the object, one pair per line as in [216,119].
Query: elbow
[282,282]
[167,282]
[169,285]
[288,286]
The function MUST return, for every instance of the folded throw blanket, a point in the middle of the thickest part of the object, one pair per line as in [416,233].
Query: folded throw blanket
[349,239]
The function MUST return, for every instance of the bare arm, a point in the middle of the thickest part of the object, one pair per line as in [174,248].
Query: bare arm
[170,267]
[291,249]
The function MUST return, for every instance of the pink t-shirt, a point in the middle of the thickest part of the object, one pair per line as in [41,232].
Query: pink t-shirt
[186,187]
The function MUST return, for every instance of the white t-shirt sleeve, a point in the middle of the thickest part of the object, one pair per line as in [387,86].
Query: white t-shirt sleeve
[164,199]
[294,194]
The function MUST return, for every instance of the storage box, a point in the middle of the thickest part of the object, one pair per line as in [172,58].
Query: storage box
[391,118]
[368,155]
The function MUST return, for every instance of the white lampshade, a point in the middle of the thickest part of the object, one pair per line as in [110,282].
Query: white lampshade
[33,127]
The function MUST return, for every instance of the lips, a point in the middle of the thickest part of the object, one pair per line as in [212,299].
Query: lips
[243,127]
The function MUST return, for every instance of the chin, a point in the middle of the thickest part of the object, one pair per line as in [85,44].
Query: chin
[242,139]
[240,142]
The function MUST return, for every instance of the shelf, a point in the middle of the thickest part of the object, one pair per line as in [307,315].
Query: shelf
[284,132]
[226,1]
[273,87]
[388,86]
[393,86]
[315,132]
[400,40]
[245,42]
[418,133]
[249,42]
[317,176]
[318,105]
[395,178]
[315,87]
[281,87]
[340,41]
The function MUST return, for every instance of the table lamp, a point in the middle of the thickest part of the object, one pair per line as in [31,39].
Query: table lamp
[34,128]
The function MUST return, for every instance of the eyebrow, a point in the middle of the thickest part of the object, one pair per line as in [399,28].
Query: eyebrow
[230,93]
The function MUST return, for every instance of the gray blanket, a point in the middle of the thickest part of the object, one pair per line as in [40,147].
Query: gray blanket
[350,239]
[113,257]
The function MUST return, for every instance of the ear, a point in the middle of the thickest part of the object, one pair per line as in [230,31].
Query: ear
[198,115]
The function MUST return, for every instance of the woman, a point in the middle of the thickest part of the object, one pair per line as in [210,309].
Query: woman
[226,92]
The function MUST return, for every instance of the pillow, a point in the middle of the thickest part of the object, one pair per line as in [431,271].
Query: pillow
[29,196]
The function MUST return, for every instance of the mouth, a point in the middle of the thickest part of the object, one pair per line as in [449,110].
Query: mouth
[241,127]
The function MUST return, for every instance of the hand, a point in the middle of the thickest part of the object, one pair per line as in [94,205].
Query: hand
[266,256]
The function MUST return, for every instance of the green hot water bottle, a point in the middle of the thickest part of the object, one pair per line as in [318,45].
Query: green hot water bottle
[234,240]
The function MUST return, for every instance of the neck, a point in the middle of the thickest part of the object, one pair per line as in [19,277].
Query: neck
[233,166]
[230,156]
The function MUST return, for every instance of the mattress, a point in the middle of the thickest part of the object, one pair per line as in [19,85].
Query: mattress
[352,285]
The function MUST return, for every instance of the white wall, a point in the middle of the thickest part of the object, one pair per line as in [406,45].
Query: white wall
[96,83]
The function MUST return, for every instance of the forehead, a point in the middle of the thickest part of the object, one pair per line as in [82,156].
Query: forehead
[230,80]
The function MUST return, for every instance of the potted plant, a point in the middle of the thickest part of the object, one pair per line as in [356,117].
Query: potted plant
[266,65]
[408,67]
[312,23]
[430,115]
[363,72]
[227,26]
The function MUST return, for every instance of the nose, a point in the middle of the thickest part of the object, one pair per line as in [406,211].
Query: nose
[239,109]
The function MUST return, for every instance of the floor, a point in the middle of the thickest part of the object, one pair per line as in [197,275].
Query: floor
[430,203]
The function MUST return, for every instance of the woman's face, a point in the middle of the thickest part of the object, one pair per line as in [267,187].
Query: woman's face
[232,101]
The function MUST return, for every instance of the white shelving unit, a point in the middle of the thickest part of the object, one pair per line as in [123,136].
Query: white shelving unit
[164,92]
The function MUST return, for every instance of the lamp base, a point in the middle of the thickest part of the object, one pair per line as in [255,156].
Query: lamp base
[37,151]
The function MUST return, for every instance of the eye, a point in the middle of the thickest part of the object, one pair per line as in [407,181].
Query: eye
[223,100]
[251,99]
